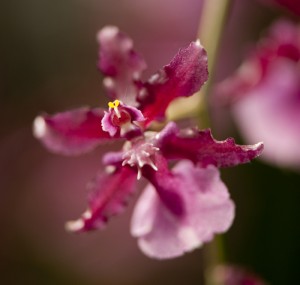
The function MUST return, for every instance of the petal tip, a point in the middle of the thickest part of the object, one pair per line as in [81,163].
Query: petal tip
[258,148]
[198,43]
[259,145]
[39,127]
[74,226]
[107,32]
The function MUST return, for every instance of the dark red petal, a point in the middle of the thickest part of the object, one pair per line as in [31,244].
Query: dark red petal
[165,183]
[109,197]
[120,63]
[71,132]
[184,76]
[201,148]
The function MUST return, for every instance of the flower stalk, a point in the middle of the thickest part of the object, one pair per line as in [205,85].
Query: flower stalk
[211,25]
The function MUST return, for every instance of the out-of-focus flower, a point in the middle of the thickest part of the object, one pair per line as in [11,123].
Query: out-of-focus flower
[291,5]
[265,95]
[183,207]
[234,275]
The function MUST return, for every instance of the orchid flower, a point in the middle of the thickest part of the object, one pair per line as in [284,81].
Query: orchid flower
[182,206]
[264,95]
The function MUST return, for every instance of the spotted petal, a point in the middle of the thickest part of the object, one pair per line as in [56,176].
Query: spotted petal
[110,193]
[71,132]
[201,148]
[207,206]
[184,76]
[120,63]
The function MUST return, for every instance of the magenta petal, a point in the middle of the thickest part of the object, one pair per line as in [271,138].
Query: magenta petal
[201,148]
[208,210]
[163,180]
[184,76]
[269,108]
[282,42]
[271,112]
[110,194]
[120,63]
[107,125]
[125,121]
[71,132]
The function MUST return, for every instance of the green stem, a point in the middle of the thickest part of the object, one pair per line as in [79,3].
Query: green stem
[214,14]
[211,26]
[214,255]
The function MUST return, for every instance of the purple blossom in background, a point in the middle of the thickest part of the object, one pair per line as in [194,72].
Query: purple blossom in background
[265,95]
[291,5]
[182,207]
[234,275]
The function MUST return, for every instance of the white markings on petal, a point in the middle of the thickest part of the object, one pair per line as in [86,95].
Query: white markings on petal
[108,82]
[145,153]
[139,174]
[127,127]
[143,93]
[110,169]
[255,146]
[198,43]
[108,33]
[154,77]
[189,236]
[87,214]
[153,166]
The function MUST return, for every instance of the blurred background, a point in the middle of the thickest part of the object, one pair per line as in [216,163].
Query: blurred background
[48,57]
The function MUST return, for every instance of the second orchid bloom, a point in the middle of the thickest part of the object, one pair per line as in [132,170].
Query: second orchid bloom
[183,206]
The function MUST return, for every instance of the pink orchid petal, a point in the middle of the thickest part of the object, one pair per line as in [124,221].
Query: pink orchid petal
[184,76]
[282,42]
[208,211]
[120,63]
[269,108]
[109,196]
[201,148]
[273,108]
[127,123]
[71,132]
